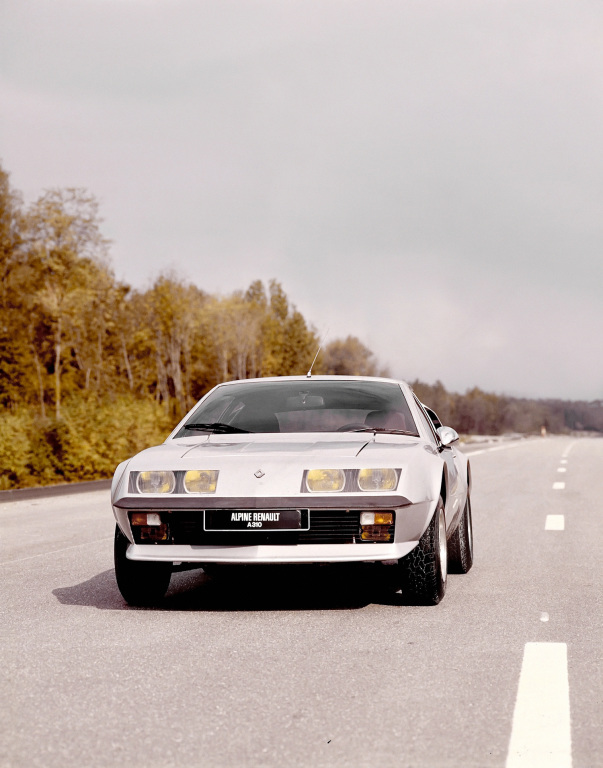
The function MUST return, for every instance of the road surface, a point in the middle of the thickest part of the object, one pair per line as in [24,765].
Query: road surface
[317,667]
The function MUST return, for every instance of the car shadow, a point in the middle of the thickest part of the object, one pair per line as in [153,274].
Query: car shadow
[271,588]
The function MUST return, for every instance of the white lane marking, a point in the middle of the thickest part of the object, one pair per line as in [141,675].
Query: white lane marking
[544,616]
[564,461]
[496,448]
[565,453]
[541,734]
[561,469]
[555,523]
[56,551]
[558,486]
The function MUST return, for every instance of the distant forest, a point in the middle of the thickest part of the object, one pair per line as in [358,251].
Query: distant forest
[92,371]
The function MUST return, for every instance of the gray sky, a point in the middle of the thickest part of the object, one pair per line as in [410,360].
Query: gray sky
[426,175]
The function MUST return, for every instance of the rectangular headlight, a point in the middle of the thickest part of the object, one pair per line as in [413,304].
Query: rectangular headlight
[377,479]
[156,482]
[325,480]
[201,480]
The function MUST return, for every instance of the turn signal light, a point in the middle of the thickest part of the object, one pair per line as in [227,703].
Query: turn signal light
[375,533]
[376,518]
[153,532]
[376,526]
[145,518]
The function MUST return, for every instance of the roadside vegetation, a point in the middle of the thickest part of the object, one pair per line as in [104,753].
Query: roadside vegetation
[92,371]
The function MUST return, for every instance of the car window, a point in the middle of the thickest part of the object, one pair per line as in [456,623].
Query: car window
[427,423]
[305,406]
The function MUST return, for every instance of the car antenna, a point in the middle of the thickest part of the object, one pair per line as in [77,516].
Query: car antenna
[322,341]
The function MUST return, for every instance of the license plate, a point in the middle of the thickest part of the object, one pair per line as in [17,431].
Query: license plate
[256,520]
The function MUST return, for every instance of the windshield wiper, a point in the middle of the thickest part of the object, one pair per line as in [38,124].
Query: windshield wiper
[383,430]
[216,426]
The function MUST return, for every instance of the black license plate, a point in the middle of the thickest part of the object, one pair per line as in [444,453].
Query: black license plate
[256,520]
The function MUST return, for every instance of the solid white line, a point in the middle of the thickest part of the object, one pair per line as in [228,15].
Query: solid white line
[55,551]
[561,469]
[496,448]
[541,733]
[558,486]
[555,523]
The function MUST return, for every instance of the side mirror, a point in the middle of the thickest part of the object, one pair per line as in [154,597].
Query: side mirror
[447,435]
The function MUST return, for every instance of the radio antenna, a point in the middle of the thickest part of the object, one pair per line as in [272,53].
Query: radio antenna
[322,341]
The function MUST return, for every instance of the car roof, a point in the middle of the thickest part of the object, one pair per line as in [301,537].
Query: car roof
[330,377]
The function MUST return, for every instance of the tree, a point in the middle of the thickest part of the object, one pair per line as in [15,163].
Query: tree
[14,351]
[64,242]
[349,357]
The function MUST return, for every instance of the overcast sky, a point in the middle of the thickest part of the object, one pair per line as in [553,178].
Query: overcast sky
[425,175]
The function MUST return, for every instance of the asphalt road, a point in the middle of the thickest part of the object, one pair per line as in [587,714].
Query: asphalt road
[322,666]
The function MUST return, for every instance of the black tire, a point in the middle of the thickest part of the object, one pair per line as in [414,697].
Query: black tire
[424,570]
[140,583]
[460,544]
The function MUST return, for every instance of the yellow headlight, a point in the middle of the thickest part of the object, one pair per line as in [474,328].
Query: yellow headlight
[201,480]
[377,479]
[156,482]
[325,480]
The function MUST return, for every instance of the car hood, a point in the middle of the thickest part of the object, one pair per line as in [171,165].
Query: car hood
[280,448]
[276,447]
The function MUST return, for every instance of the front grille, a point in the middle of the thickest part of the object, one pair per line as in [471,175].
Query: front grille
[327,526]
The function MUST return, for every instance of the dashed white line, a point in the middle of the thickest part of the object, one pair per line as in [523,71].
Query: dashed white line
[561,469]
[541,733]
[565,453]
[558,486]
[564,461]
[554,523]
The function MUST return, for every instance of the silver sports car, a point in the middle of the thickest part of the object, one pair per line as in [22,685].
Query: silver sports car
[301,469]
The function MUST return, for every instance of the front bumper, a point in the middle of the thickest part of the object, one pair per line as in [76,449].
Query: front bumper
[411,519]
[248,554]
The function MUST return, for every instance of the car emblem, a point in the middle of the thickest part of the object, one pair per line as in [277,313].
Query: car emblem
[259,474]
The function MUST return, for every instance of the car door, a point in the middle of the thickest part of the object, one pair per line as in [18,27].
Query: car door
[450,457]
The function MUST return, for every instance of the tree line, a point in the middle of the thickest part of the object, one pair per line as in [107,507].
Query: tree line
[92,370]
[484,413]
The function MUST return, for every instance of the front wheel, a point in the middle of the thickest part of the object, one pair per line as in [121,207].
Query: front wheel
[140,583]
[424,570]
[461,543]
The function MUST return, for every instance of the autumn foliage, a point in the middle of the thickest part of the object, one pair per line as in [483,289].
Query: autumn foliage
[92,371]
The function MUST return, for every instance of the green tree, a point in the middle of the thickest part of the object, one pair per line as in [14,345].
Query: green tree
[64,243]
[14,348]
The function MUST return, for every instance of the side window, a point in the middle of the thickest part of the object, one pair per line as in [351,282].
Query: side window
[426,422]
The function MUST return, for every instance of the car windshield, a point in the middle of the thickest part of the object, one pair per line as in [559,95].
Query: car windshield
[303,406]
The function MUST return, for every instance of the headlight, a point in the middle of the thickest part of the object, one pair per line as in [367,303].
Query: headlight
[377,479]
[156,482]
[201,480]
[325,480]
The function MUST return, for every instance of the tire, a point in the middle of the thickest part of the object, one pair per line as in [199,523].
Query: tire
[424,570]
[460,544]
[140,583]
